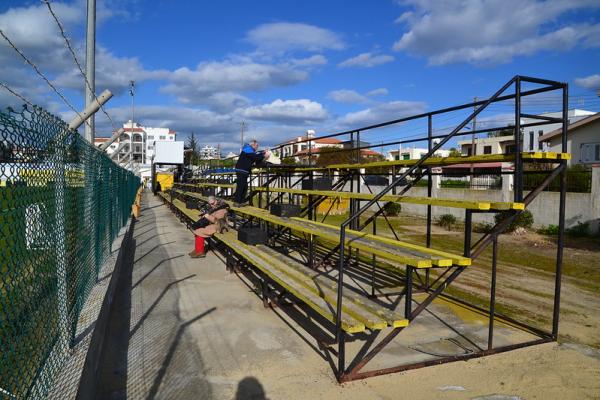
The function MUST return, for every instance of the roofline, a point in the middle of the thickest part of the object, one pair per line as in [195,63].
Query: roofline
[570,128]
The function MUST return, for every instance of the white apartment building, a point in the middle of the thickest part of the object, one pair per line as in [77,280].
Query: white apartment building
[141,139]
[413,153]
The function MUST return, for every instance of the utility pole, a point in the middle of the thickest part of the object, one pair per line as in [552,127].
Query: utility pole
[132,93]
[90,66]
[473,128]
[243,125]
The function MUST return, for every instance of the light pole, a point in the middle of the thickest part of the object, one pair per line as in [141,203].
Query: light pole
[132,93]
[243,125]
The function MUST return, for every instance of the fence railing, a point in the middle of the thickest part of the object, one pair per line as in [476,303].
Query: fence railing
[578,181]
[62,203]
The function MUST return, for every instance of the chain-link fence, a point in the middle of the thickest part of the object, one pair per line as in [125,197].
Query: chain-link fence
[62,202]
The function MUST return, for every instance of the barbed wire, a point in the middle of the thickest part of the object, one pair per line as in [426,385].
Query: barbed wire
[70,48]
[37,70]
[21,97]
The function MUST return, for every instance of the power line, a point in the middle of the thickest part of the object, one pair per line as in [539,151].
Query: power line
[5,86]
[87,82]
[37,70]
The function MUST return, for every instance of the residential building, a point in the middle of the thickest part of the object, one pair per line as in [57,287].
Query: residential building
[531,136]
[583,141]
[210,153]
[487,145]
[140,139]
[301,146]
[413,153]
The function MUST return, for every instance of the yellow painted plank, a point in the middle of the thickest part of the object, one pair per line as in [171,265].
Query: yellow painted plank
[206,184]
[332,237]
[442,202]
[370,320]
[349,324]
[317,283]
[453,258]
[426,260]
[442,161]
[564,156]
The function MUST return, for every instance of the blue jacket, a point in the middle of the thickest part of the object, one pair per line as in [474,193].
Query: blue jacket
[248,158]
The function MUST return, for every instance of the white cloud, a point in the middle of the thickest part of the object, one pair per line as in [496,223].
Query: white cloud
[353,97]
[33,30]
[198,85]
[288,36]
[589,82]
[382,112]
[300,111]
[113,73]
[494,31]
[377,92]
[366,60]
[347,96]
[180,119]
[311,61]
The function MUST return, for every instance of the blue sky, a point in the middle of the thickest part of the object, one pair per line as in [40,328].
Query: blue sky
[284,67]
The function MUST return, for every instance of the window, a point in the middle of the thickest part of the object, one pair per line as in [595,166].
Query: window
[530,140]
[150,147]
[590,153]
[397,157]
[162,137]
[540,144]
[509,149]
[487,149]
[406,156]
[150,137]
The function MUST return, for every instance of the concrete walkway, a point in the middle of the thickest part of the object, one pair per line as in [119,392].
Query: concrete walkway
[187,329]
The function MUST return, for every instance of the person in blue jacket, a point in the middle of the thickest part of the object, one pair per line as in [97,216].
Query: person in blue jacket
[247,159]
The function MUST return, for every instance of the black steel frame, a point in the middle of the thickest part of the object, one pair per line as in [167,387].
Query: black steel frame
[283,176]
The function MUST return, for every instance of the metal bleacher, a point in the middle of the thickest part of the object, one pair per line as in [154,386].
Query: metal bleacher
[357,242]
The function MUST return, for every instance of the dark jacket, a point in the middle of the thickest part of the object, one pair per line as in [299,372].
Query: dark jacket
[248,158]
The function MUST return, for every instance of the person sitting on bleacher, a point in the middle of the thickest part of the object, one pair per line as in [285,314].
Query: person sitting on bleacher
[212,220]
[247,159]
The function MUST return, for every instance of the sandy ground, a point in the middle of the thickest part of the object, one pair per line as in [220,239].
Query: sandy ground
[198,332]
[529,291]
[547,371]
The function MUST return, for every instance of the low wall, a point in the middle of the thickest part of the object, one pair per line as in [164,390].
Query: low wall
[580,207]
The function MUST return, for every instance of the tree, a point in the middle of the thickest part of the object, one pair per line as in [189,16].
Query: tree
[191,157]
[329,155]
[501,132]
[454,152]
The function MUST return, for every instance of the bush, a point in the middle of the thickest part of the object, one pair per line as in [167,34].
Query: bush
[392,209]
[482,227]
[523,220]
[455,183]
[549,230]
[579,230]
[447,221]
